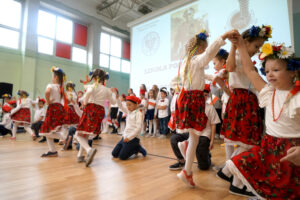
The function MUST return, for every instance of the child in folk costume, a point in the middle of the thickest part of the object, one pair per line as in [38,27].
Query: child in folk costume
[93,113]
[39,116]
[130,143]
[262,168]
[5,125]
[144,103]
[72,118]
[21,114]
[206,139]
[53,126]
[190,108]
[172,121]
[6,98]
[150,112]
[242,124]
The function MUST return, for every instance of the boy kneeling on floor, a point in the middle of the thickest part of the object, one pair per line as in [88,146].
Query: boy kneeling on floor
[130,143]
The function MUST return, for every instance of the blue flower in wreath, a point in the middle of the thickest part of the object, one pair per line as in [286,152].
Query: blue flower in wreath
[222,52]
[202,35]
[254,31]
[293,65]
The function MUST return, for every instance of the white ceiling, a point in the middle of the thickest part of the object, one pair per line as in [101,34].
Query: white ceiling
[117,13]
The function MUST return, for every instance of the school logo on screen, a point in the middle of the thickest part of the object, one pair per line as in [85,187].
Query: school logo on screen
[150,43]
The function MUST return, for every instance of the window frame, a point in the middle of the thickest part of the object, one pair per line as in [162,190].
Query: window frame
[55,39]
[16,29]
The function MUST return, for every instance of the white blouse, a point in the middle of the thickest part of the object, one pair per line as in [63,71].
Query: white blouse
[98,95]
[55,96]
[288,124]
[197,66]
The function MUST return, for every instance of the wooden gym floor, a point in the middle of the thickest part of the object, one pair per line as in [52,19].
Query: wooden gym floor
[24,175]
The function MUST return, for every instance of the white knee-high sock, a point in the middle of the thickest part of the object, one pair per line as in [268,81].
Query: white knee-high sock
[14,130]
[29,130]
[150,126]
[239,150]
[80,152]
[64,132]
[191,152]
[229,151]
[50,143]
[83,141]
[237,182]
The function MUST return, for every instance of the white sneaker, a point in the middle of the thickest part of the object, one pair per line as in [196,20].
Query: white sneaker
[187,179]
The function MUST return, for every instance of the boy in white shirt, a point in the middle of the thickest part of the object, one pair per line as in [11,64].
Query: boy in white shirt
[130,143]
[163,113]
[39,116]
[5,125]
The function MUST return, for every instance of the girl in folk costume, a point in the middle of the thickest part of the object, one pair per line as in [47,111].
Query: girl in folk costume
[93,113]
[150,111]
[20,115]
[72,117]
[190,108]
[55,116]
[242,124]
[261,168]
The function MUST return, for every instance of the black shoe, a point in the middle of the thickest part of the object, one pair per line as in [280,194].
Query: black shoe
[43,140]
[176,166]
[142,151]
[50,154]
[240,192]
[221,175]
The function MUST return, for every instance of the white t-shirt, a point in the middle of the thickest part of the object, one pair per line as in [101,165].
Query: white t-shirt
[6,121]
[151,104]
[288,124]
[98,95]
[39,112]
[213,118]
[25,103]
[238,79]
[197,66]
[163,113]
[144,104]
[134,122]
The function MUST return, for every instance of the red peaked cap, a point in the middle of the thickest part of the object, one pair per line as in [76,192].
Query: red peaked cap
[6,108]
[207,88]
[42,100]
[12,102]
[133,99]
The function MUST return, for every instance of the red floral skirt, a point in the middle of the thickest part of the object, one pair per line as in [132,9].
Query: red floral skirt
[21,116]
[242,120]
[55,118]
[172,122]
[90,121]
[71,117]
[262,169]
[191,112]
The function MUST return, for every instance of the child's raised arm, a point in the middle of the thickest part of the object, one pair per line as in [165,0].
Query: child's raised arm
[230,62]
[248,66]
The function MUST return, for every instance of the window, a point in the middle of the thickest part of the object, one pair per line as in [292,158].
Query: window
[10,23]
[61,37]
[112,53]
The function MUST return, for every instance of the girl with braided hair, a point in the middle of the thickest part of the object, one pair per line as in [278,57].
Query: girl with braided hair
[190,107]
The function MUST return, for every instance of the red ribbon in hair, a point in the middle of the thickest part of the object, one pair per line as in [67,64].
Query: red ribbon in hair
[62,94]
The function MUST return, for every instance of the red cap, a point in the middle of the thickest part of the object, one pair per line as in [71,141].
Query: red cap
[124,96]
[134,99]
[12,102]
[207,88]
[142,91]
[6,108]
[42,100]
[116,90]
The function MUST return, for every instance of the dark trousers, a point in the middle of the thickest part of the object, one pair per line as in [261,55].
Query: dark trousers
[202,151]
[36,127]
[219,125]
[3,130]
[124,150]
[163,125]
